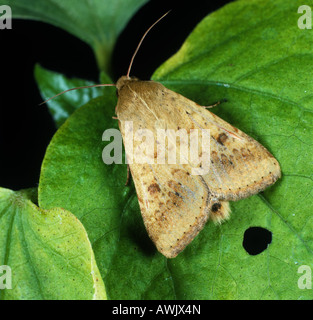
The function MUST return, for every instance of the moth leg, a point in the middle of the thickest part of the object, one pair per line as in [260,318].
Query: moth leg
[215,104]
[128,175]
[220,211]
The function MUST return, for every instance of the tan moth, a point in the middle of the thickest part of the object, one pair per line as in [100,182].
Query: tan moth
[175,203]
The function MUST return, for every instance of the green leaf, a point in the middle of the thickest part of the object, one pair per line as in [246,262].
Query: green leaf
[48,252]
[51,83]
[253,54]
[96,22]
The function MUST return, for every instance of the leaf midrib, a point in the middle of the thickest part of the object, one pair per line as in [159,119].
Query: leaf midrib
[235,87]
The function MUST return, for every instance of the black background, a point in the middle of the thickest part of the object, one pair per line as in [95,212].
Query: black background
[27,128]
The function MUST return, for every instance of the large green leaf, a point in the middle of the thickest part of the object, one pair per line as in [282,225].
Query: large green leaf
[97,22]
[48,252]
[253,54]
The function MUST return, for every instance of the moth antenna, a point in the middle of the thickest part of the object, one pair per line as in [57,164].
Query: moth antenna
[84,87]
[133,57]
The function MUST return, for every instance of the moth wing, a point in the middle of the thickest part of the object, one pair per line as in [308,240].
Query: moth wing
[240,166]
[174,205]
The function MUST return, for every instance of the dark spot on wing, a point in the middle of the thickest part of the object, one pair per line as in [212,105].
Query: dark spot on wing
[222,138]
[153,188]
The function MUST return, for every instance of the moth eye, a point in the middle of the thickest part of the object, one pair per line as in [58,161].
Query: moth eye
[116,92]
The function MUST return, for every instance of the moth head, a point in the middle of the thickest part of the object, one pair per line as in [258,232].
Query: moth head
[123,80]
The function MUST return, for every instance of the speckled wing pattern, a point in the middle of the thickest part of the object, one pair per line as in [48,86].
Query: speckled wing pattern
[175,204]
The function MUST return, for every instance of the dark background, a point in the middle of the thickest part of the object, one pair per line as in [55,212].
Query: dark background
[27,128]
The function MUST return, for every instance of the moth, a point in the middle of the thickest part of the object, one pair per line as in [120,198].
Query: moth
[175,203]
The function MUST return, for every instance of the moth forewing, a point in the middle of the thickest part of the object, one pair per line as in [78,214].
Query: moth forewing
[174,203]
[240,166]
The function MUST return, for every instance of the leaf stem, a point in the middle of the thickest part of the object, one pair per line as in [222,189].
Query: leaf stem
[103,54]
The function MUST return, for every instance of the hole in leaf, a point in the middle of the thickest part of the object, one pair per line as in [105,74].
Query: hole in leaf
[256,240]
